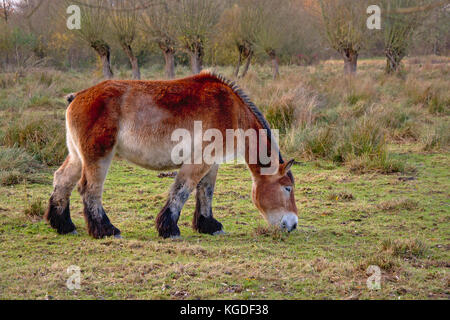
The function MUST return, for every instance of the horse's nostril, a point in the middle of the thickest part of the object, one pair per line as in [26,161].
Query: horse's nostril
[294,227]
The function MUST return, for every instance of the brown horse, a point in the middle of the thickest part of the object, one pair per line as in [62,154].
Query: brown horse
[135,119]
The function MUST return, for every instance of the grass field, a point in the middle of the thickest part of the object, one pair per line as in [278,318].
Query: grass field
[349,219]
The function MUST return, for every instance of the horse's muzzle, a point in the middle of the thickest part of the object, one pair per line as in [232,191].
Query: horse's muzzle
[289,222]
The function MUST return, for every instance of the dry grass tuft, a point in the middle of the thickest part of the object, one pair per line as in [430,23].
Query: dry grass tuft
[271,231]
[406,248]
[384,260]
[398,204]
[10,178]
[436,137]
[16,166]
[43,137]
[341,196]
[35,209]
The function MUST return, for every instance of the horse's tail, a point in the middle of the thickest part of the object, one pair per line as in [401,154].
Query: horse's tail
[70,97]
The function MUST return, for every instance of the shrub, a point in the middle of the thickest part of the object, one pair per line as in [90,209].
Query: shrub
[294,107]
[432,96]
[10,178]
[438,104]
[17,159]
[436,137]
[40,100]
[280,117]
[47,78]
[319,142]
[361,146]
[401,123]
[42,137]
[311,142]
[364,138]
[8,80]
[16,166]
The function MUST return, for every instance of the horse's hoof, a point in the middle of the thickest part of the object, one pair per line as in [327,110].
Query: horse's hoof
[219,233]
[118,236]
[73,233]
[175,237]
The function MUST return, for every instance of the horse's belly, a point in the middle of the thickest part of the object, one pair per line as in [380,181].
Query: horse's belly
[148,153]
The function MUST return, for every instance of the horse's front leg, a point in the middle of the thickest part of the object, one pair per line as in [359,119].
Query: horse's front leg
[187,179]
[204,221]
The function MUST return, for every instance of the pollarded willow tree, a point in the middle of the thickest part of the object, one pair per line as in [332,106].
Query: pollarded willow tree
[280,29]
[344,23]
[275,24]
[94,25]
[236,29]
[268,29]
[124,20]
[400,20]
[159,26]
[194,22]
[433,36]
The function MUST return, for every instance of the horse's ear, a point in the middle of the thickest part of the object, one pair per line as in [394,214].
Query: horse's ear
[285,167]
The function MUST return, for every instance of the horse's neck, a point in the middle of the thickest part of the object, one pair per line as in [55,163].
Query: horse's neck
[257,170]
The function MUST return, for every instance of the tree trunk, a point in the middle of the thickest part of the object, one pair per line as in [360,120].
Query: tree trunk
[275,67]
[435,48]
[170,63]
[196,64]
[196,55]
[107,72]
[133,61]
[238,65]
[247,64]
[350,61]
[103,50]
[393,60]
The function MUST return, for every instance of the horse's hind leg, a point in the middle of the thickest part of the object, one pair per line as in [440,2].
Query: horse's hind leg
[65,179]
[91,189]
[187,179]
[204,221]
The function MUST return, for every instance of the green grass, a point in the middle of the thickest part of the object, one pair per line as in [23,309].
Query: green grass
[372,192]
[326,258]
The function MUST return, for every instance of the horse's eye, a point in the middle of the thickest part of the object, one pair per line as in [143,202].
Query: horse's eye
[288,189]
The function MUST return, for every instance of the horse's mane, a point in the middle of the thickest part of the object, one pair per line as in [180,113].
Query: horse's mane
[250,105]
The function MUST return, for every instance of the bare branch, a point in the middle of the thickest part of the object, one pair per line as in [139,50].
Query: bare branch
[428,7]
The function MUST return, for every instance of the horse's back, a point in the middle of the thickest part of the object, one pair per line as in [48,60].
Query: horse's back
[137,118]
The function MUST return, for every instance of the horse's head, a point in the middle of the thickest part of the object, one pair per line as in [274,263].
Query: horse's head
[273,195]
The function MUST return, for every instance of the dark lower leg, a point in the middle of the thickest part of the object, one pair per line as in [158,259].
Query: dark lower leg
[58,216]
[204,221]
[58,212]
[187,178]
[97,221]
[91,189]
[167,219]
